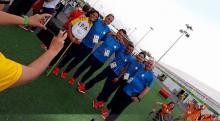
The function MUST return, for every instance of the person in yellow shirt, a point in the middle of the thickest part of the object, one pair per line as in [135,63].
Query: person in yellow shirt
[14,74]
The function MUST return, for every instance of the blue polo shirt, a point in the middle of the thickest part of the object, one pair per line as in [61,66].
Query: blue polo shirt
[139,82]
[98,29]
[107,48]
[134,67]
[121,61]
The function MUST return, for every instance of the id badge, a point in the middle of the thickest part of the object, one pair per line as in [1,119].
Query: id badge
[126,76]
[130,80]
[106,53]
[95,39]
[113,65]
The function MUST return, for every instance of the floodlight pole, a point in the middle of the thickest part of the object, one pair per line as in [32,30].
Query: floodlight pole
[151,28]
[184,32]
[171,46]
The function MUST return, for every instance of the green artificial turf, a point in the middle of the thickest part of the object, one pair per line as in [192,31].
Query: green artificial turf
[51,98]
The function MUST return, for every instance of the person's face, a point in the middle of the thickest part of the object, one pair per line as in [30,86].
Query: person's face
[93,17]
[171,105]
[108,20]
[140,58]
[120,36]
[129,49]
[149,65]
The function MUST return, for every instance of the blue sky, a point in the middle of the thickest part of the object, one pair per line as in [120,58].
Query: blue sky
[198,55]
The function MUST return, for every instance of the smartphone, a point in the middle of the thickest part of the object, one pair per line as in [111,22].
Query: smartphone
[47,19]
[4,1]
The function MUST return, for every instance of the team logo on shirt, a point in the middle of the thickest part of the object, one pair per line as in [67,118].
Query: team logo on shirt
[136,68]
[103,32]
[107,52]
[142,75]
[126,60]
[115,46]
[113,65]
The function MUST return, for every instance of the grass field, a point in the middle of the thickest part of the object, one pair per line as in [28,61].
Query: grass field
[51,98]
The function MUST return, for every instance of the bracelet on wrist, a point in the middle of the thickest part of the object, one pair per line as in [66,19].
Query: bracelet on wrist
[25,21]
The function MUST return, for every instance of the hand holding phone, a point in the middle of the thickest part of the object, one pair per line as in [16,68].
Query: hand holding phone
[47,19]
[38,20]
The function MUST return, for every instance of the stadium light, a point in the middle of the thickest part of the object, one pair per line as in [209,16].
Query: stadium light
[183,32]
[151,29]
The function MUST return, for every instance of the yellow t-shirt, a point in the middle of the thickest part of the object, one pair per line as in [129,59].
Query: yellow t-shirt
[10,72]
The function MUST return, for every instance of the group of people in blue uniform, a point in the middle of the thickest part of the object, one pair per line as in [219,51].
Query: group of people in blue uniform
[131,76]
